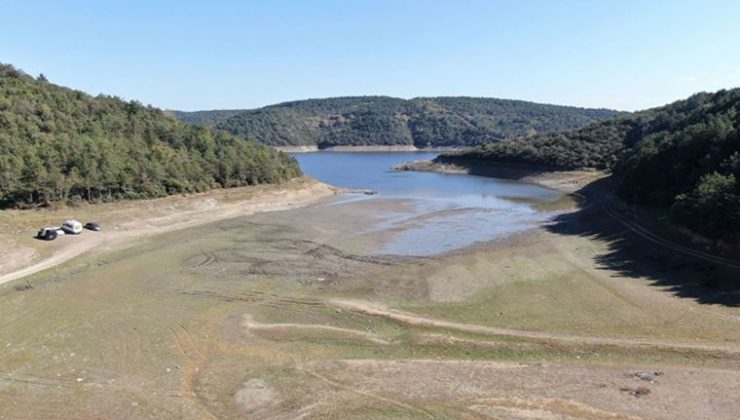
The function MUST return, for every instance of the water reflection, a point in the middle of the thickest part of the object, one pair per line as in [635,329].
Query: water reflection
[446,211]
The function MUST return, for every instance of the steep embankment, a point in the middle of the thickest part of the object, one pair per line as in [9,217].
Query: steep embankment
[386,121]
[682,158]
[59,144]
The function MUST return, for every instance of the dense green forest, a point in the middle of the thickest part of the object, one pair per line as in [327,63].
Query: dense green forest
[683,157]
[59,144]
[380,120]
[205,118]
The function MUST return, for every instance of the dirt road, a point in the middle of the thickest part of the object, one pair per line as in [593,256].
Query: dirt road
[202,209]
[415,320]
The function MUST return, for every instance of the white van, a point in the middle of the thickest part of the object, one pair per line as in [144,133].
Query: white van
[73,227]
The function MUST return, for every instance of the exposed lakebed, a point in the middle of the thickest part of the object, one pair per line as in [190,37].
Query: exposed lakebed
[433,212]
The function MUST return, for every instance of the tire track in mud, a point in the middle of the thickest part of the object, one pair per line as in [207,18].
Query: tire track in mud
[190,370]
[100,376]
[252,297]
[186,348]
[193,358]
[335,384]
[558,408]
[201,260]
[416,320]
[720,350]
[301,261]
[253,326]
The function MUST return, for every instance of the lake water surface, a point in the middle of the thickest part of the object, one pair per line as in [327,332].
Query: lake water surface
[448,211]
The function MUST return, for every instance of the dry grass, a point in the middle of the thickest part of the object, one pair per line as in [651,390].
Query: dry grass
[240,318]
[136,219]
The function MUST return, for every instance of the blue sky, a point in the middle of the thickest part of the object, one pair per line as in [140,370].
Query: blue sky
[242,54]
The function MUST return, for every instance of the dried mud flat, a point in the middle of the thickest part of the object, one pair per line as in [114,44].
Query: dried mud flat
[291,315]
[302,261]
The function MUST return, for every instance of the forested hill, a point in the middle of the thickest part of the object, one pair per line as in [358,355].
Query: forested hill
[683,157]
[205,118]
[59,144]
[380,120]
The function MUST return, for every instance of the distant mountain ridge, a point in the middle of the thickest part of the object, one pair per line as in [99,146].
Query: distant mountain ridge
[387,121]
[205,118]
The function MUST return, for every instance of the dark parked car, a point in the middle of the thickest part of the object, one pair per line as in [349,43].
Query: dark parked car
[47,234]
[92,226]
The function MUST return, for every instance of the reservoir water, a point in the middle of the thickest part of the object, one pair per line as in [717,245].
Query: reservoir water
[445,211]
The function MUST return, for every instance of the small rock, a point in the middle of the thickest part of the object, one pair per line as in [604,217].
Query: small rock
[640,390]
[647,376]
[636,392]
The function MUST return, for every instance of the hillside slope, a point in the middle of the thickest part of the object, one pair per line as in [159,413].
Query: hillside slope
[683,158]
[380,120]
[59,144]
[204,118]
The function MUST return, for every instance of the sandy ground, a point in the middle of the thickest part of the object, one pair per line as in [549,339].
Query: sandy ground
[151,217]
[292,315]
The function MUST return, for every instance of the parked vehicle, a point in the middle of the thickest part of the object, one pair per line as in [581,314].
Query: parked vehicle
[92,226]
[73,227]
[47,234]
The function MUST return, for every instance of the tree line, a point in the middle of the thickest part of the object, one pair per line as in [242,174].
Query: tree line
[683,158]
[61,145]
[381,120]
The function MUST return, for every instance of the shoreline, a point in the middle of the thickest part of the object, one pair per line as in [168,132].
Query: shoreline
[365,149]
[568,181]
[170,214]
[552,309]
[591,186]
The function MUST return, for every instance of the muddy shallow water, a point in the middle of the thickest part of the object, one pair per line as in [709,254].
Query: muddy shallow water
[442,212]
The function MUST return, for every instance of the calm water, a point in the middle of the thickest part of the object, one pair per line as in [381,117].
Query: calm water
[448,211]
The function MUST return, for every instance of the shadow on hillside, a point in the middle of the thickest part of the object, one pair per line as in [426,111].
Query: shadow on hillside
[630,254]
[634,256]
